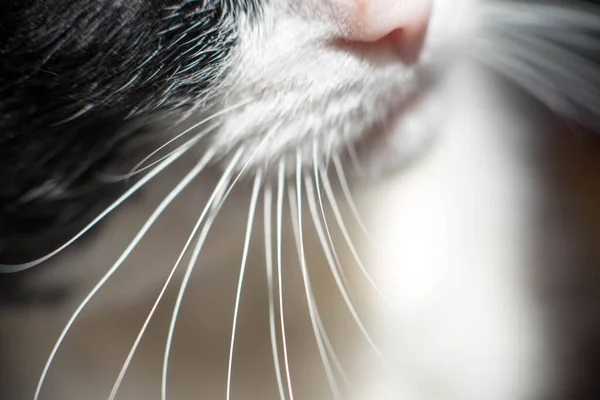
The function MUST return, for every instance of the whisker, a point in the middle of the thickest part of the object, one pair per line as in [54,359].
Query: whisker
[354,159]
[295,198]
[345,233]
[220,113]
[327,343]
[528,78]
[331,246]
[251,158]
[573,71]
[251,213]
[212,208]
[200,244]
[280,195]
[329,347]
[541,17]
[268,206]
[573,64]
[8,268]
[138,169]
[310,194]
[328,153]
[523,41]
[159,298]
[141,233]
[348,195]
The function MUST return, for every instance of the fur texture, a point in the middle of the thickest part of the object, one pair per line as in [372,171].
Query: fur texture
[80,80]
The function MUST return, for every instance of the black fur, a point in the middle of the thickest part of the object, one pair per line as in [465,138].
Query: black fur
[76,77]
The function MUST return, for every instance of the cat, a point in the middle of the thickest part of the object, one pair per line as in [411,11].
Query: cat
[351,150]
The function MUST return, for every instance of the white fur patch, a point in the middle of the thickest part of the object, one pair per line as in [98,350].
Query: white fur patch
[304,88]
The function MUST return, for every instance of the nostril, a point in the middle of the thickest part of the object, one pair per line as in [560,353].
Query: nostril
[398,24]
[379,18]
[408,43]
[400,43]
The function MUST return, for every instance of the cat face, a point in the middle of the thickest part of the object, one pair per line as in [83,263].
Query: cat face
[84,82]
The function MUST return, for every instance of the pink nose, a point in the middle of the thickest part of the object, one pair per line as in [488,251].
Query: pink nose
[402,22]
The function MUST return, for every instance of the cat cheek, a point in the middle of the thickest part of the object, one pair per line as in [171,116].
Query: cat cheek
[401,23]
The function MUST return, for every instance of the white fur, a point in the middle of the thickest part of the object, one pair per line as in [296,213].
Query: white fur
[308,89]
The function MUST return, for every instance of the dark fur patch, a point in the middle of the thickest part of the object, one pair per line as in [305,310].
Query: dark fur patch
[76,77]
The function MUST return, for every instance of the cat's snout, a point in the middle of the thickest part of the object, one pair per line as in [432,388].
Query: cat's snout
[399,23]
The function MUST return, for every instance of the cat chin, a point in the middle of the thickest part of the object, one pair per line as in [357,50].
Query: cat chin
[376,149]
[403,139]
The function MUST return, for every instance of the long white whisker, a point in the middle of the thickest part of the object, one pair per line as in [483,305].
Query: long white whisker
[155,305]
[251,213]
[326,342]
[295,197]
[328,346]
[574,65]
[348,195]
[526,77]
[5,268]
[198,248]
[332,264]
[268,205]
[344,230]
[280,194]
[213,205]
[578,70]
[141,233]
[331,246]
[543,17]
